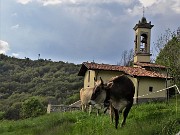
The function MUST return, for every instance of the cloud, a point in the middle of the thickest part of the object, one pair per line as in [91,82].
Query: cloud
[147,3]
[15,26]
[155,7]
[55,2]
[134,11]
[176,6]
[14,14]
[50,2]
[160,5]
[24,1]
[15,54]
[126,2]
[4,47]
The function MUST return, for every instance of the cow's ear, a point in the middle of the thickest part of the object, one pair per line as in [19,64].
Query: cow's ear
[95,79]
[108,85]
[101,80]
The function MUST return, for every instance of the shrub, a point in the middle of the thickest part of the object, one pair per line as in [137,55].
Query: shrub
[12,114]
[2,115]
[32,108]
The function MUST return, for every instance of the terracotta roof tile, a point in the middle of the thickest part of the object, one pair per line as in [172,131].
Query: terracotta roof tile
[149,65]
[133,71]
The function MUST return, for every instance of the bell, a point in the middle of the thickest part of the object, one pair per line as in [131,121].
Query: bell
[144,40]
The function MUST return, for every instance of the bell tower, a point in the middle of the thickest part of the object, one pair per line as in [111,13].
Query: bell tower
[142,41]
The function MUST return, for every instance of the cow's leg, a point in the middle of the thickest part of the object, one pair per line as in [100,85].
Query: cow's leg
[105,110]
[111,113]
[98,110]
[125,113]
[97,107]
[106,106]
[82,107]
[116,112]
[85,108]
[90,109]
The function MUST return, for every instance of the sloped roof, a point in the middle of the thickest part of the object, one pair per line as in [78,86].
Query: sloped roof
[141,64]
[133,71]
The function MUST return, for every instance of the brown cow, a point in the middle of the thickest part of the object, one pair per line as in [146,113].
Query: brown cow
[119,92]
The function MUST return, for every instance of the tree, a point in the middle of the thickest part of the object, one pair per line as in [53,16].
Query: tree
[170,56]
[163,40]
[127,58]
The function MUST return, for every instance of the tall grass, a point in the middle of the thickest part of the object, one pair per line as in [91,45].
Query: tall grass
[145,119]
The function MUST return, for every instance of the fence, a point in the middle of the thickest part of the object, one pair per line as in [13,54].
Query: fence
[160,91]
[60,108]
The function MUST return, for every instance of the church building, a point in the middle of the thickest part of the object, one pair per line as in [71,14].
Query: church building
[148,78]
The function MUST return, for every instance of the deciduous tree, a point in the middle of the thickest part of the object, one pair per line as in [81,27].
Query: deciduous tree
[169,55]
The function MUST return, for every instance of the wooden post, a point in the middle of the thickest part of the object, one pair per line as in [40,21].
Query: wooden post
[49,108]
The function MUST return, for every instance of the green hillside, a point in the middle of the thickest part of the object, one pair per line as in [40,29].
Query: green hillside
[50,82]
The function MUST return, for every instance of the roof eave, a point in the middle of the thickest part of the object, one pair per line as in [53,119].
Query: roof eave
[82,70]
[169,78]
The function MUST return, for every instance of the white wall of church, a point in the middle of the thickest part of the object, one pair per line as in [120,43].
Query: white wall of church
[89,78]
[149,85]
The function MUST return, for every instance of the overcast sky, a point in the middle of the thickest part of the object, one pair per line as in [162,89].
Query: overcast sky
[80,30]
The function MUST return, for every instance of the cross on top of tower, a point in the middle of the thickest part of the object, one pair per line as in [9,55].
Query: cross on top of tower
[143,10]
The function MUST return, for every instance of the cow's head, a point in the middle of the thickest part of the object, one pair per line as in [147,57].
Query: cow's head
[99,93]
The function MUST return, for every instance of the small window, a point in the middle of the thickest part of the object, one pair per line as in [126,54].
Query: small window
[89,76]
[150,89]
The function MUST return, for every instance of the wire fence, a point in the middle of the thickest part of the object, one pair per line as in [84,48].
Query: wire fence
[159,91]
[176,93]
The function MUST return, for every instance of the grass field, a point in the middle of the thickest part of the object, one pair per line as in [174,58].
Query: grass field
[144,119]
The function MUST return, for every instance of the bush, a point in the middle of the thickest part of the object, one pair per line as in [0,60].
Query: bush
[32,108]
[12,114]
[2,115]
[72,99]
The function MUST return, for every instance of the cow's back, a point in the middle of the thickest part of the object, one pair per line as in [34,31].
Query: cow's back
[122,88]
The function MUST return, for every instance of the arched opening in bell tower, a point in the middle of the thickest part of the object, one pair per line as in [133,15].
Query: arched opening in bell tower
[143,43]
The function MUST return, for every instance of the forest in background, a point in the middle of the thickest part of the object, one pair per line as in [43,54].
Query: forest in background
[48,81]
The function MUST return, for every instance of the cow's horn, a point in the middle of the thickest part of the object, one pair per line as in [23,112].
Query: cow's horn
[101,80]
